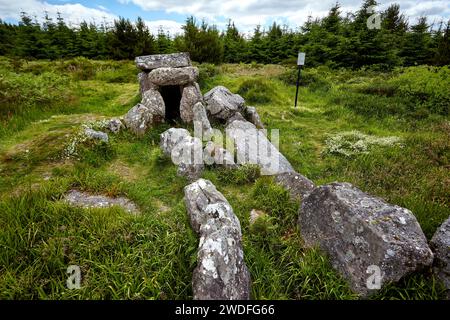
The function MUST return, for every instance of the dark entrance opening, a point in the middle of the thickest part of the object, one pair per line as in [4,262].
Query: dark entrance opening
[172,98]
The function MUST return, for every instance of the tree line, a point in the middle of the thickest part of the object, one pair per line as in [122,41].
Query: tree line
[335,40]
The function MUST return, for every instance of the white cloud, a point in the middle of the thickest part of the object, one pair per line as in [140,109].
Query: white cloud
[248,13]
[170,26]
[73,13]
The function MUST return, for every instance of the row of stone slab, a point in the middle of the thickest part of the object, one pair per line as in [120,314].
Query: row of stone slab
[370,242]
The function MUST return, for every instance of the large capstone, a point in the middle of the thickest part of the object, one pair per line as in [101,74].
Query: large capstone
[221,273]
[370,242]
[191,96]
[253,147]
[174,60]
[440,244]
[222,104]
[173,76]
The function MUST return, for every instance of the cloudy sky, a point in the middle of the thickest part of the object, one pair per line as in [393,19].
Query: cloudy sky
[170,14]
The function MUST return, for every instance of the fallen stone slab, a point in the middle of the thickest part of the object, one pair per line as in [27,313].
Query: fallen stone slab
[173,76]
[221,103]
[440,244]
[298,185]
[370,242]
[253,147]
[221,273]
[174,60]
[86,200]
[96,135]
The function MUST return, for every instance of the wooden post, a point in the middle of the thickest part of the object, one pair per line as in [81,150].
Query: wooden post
[298,84]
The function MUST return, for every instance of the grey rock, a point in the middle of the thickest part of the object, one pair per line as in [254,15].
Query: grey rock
[213,154]
[114,125]
[221,273]
[144,83]
[191,95]
[170,138]
[138,119]
[96,135]
[253,147]
[222,104]
[360,232]
[153,100]
[185,152]
[173,76]
[440,244]
[174,60]
[86,200]
[200,118]
[253,117]
[234,117]
[298,186]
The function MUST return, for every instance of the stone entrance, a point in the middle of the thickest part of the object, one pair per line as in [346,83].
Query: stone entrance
[172,99]
[169,90]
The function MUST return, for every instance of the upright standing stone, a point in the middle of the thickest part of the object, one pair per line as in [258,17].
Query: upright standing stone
[191,96]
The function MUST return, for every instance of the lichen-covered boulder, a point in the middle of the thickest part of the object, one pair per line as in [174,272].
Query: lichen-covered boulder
[185,151]
[173,60]
[253,117]
[144,83]
[138,119]
[253,147]
[191,96]
[297,185]
[200,118]
[221,273]
[170,138]
[153,100]
[173,76]
[96,135]
[222,104]
[370,242]
[114,125]
[440,244]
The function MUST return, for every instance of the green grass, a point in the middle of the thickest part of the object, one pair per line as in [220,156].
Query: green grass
[152,255]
